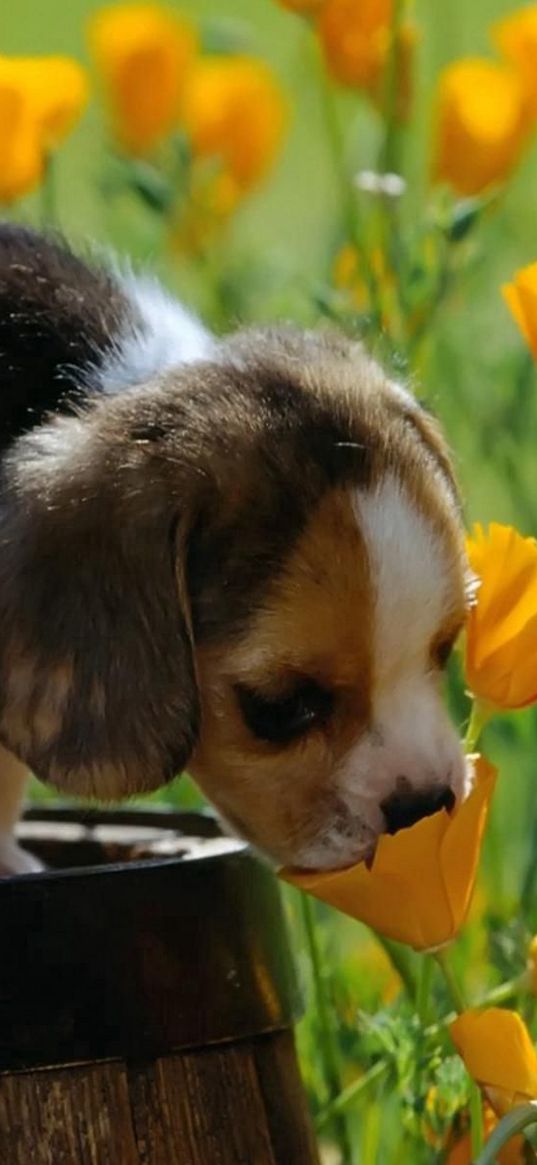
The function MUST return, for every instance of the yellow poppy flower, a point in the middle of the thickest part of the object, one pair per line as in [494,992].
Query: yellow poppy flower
[516,37]
[56,89]
[521,298]
[405,52]
[235,112]
[481,125]
[143,53]
[21,154]
[501,631]
[499,1055]
[420,883]
[355,40]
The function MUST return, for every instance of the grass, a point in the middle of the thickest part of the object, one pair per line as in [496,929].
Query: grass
[475,373]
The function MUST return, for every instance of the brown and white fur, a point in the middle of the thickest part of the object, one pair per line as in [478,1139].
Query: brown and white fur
[241,556]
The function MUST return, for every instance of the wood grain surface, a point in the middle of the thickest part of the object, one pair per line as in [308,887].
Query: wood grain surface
[238,1104]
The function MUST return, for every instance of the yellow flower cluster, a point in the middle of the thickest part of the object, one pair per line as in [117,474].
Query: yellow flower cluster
[40,100]
[156,82]
[487,110]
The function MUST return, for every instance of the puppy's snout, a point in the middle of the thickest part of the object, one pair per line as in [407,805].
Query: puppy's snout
[405,805]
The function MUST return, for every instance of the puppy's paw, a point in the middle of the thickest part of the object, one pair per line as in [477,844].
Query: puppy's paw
[14,859]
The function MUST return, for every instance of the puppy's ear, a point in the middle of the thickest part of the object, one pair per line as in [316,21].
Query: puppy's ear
[98,688]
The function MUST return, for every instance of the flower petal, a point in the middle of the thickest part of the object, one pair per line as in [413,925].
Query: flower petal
[521,297]
[498,1052]
[419,887]
[234,111]
[501,632]
[516,37]
[56,88]
[21,153]
[143,52]
[461,844]
[481,125]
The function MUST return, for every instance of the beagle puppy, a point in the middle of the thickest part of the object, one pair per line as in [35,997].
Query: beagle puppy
[243,556]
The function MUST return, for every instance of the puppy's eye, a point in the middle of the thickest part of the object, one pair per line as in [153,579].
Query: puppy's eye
[285,718]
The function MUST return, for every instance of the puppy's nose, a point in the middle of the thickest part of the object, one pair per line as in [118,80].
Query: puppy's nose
[405,806]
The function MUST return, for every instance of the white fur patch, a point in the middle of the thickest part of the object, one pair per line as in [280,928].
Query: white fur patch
[410,736]
[404,395]
[410,575]
[169,336]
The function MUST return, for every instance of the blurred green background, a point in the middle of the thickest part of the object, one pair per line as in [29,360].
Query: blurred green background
[476,374]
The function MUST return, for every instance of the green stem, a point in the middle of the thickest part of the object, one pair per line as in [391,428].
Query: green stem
[328,1044]
[479,716]
[527,893]
[424,989]
[398,957]
[352,1092]
[459,1003]
[476,1119]
[349,202]
[500,994]
[455,992]
[389,159]
[515,1122]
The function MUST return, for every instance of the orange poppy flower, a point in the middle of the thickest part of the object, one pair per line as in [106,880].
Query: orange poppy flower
[516,37]
[420,883]
[56,90]
[143,53]
[499,1055]
[481,125]
[235,112]
[21,153]
[521,298]
[501,632]
[355,40]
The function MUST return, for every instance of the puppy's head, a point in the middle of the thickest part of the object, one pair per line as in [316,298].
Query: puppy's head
[253,568]
[320,664]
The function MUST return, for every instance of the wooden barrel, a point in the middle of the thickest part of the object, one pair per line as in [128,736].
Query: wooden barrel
[147,998]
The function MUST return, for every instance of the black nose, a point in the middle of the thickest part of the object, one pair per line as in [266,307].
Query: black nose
[406,806]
